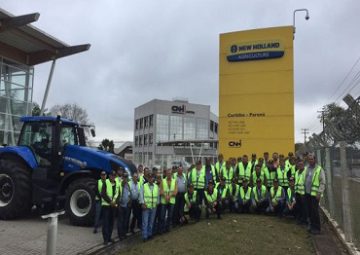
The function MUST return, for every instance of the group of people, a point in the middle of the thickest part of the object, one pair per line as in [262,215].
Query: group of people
[159,200]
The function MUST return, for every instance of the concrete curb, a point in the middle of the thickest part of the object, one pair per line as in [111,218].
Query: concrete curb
[350,247]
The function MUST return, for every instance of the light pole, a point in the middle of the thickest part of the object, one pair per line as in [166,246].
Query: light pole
[307,17]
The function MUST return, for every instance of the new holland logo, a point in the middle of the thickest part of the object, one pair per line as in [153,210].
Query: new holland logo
[255,51]
[234,144]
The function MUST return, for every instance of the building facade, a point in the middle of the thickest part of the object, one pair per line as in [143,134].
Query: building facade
[174,132]
[15,98]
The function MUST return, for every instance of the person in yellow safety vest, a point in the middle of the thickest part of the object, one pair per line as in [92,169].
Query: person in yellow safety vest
[100,182]
[218,166]
[301,216]
[140,172]
[283,174]
[244,170]
[197,178]
[168,191]
[234,195]
[266,159]
[210,172]
[145,177]
[287,161]
[233,163]
[292,166]
[290,205]
[253,162]
[192,203]
[157,221]
[257,173]
[109,194]
[270,174]
[275,160]
[211,201]
[314,188]
[276,199]
[227,172]
[222,194]
[245,197]
[260,197]
[149,198]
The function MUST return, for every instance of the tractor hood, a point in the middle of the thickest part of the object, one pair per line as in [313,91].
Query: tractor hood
[80,157]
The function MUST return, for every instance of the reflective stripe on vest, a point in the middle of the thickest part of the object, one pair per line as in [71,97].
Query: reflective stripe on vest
[255,177]
[282,176]
[150,197]
[198,180]
[244,173]
[228,174]
[275,197]
[262,192]
[109,192]
[290,195]
[211,198]
[270,176]
[234,192]
[223,190]
[243,195]
[315,183]
[168,191]
[300,182]
[192,199]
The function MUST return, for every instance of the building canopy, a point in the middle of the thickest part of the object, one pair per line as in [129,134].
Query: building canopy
[26,44]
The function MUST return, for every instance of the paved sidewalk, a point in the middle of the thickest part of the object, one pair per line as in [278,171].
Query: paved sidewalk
[28,236]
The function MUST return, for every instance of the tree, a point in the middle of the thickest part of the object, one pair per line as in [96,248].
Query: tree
[35,111]
[71,111]
[107,145]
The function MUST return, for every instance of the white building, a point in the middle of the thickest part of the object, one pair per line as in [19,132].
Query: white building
[174,132]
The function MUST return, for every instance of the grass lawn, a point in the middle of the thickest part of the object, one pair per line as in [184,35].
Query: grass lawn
[234,234]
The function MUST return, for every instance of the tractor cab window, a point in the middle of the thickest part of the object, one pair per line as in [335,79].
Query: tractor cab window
[38,136]
[67,136]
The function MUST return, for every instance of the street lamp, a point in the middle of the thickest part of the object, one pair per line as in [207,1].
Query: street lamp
[307,17]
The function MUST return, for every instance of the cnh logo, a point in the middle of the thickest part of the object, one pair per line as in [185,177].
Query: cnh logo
[235,144]
[178,109]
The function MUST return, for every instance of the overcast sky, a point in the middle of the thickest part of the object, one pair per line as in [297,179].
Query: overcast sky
[142,50]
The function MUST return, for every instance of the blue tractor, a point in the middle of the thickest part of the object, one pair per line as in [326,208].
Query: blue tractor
[52,168]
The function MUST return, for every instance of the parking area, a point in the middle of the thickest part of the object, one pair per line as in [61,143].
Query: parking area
[28,236]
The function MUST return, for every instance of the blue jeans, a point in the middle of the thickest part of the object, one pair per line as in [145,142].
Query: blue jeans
[148,216]
[97,222]
[165,223]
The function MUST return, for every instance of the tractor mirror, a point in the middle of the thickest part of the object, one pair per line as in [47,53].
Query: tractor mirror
[92,131]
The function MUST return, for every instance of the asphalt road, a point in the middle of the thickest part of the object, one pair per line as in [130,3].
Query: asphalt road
[28,236]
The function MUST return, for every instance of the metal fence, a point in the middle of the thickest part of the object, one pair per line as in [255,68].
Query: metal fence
[342,167]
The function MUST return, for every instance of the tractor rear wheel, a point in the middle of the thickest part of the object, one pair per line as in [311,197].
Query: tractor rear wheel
[15,189]
[80,202]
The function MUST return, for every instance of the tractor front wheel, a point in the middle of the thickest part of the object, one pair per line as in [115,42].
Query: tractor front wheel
[80,202]
[15,189]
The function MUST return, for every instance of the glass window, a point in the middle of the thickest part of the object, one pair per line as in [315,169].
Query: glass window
[162,128]
[176,127]
[67,136]
[141,123]
[140,140]
[38,136]
[136,141]
[202,129]
[145,122]
[151,120]
[145,139]
[216,128]
[150,138]
[136,124]
[189,128]
[211,125]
